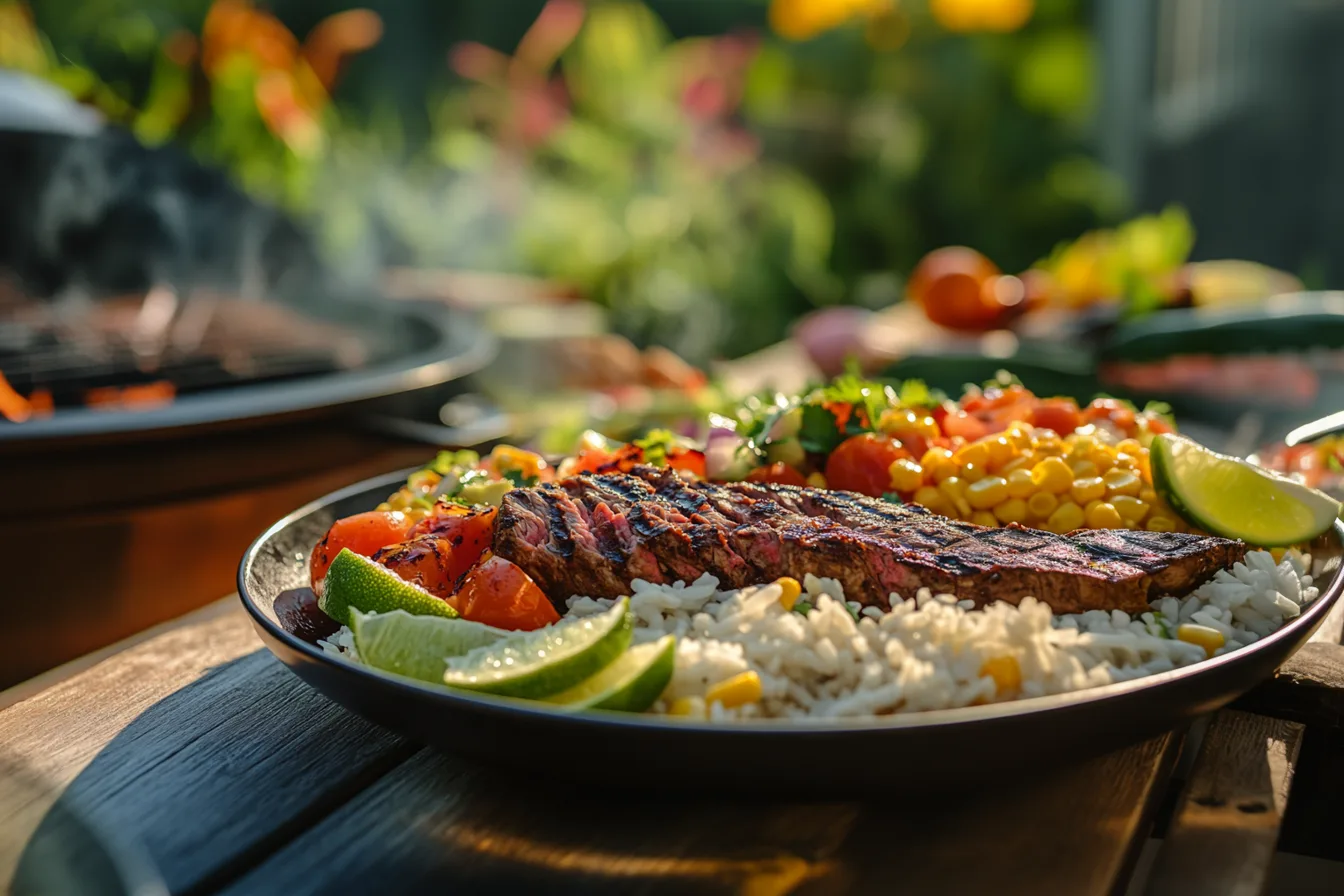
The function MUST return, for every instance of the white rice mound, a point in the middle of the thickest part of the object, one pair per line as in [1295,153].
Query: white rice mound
[841,660]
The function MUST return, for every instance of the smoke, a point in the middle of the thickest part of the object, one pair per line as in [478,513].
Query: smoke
[104,215]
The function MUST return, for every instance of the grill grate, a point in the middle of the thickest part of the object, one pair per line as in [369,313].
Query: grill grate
[216,344]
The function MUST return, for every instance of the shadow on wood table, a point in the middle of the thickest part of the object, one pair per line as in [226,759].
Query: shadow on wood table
[235,777]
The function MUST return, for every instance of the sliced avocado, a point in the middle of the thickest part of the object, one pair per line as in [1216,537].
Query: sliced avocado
[484,492]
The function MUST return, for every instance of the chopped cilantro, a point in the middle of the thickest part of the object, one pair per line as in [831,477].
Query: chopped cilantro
[472,476]
[892,498]
[819,432]
[1164,625]
[519,479]
[448,461]
[657,445]
[1162,410]
[917,394]
[1002,380]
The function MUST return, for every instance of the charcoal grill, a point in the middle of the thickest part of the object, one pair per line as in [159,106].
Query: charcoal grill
[374,350]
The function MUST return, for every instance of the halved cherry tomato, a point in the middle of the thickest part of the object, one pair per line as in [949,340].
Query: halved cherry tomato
[688,461]
[862,463]
[1117,412]
[363,533]
[779,473]
[427,561]
[1059,414]
[440,550]
[498,593]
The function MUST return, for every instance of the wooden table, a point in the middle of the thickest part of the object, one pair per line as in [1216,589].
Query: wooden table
[233,776]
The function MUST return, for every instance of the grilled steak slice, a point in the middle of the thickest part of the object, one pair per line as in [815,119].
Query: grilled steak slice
[595,534]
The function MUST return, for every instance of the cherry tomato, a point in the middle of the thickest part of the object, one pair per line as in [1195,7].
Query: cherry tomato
[363,533]
[688,461]
[498,593]
[592,460]
[427,561]
[1117,412]
[779,473]
[1059,414]
[1157,425]
[440,550]
[960,423]
[862,463]
[955,287]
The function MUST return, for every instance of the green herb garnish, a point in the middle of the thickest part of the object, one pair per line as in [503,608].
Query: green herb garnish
[892,498]
[658,445]
[450,461]
[820,431]
[917,394]
[519,479]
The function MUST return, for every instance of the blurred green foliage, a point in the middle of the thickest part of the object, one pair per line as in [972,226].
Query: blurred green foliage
[706,189]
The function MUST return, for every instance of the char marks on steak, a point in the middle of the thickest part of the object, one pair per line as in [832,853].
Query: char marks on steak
[595,534]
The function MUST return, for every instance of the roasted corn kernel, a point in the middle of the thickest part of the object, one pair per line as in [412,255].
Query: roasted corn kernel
[1131,509]
[906,475]
[789,589]
[1066,517]
[984,518]
[988,492]
[1006,672]
[1202,636]
[1042,504]
[739,690]
[1101,515]
[1122,482]
[1014,510]
[1088,488]
[1052,475]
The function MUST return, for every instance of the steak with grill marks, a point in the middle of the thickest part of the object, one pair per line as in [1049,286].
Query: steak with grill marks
[595,534]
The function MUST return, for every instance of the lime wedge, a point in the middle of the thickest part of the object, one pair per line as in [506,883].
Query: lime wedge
[546,661]
[416,646]
[357,582]
[1235,499]
[630,684]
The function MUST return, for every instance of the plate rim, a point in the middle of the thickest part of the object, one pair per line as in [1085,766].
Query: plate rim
[1310,620]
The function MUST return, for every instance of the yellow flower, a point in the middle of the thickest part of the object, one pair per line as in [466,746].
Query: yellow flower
[982,15]
[805,19]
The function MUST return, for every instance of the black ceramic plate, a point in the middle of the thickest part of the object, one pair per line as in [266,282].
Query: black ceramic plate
[823,758]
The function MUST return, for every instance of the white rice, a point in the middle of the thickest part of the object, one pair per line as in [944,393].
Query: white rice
[841,660]
[930,652]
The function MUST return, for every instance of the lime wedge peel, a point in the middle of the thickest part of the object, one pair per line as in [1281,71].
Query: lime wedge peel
[537,664]
[1233,498]
[416,646]
[632,683]
[356,582]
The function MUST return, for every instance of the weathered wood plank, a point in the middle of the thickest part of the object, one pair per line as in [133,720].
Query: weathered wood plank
[198,744]
[439,824]
[1309,688]
[1222,839]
